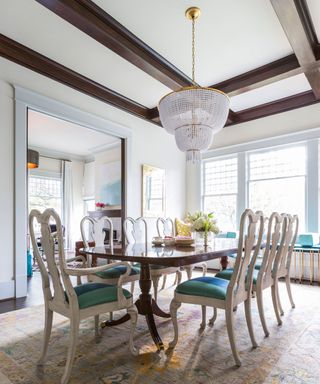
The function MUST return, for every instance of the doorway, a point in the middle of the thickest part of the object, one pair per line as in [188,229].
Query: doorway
[32,110]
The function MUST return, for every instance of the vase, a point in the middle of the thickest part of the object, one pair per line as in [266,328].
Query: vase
[203,238]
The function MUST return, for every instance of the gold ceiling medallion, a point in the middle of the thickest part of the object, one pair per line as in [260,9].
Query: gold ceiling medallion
[193,13]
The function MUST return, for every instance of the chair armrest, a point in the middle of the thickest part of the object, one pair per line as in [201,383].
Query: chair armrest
[89,271]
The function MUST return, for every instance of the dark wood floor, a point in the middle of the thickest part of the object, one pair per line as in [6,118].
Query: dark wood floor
[34,297]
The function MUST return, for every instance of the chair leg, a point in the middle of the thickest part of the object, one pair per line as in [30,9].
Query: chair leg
[96,325]
[289,291]
[132,311]
[261,312]
[164,280]
[230,329]
[203,310]
[179,274]
[278,300]
[74,331]
[189,271]
[174,306]
[46,335]
[155,282]
[214,317]
[247,307]
[132,287]
[110,316]
[204,269]
[275,303]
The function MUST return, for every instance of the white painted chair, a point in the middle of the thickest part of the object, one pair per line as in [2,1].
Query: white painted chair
[135,234]
[215,292]
[165,227]
[282,263]
[79,302]
[95,227]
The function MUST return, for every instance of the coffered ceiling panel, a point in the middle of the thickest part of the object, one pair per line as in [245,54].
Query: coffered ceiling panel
[232,37]
[31,24]
[314,7]
[271,92]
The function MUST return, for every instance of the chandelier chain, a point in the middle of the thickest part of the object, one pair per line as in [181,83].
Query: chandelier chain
[193,50]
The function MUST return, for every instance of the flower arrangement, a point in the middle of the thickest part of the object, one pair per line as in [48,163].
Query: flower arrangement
[203,222]
[100,205]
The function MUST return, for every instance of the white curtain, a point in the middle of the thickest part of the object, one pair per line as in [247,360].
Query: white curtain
[67,203]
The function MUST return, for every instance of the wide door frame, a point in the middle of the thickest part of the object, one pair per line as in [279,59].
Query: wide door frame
[25,99]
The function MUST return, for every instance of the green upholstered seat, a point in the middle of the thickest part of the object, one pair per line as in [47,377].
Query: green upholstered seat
[204,286]
[91,294]
[258,264]
[231,235]
[116,272]
[227,273]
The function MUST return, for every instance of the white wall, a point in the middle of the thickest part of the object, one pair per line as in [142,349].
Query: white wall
[77,186]
[150,144]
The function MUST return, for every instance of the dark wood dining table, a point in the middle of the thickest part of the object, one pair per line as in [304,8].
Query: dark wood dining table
[148,254]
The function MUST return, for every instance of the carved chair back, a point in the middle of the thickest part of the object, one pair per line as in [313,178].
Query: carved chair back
[94,230]
[250,238]
[274,236]
[61,283]
[135,231]
[165,227]
[283,258]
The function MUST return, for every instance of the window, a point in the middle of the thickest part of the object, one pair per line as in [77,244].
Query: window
[277,181]
[45,192]
[220,189]
[88,205]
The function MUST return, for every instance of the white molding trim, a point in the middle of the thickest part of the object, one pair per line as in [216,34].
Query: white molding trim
[25,99]
[105,147]
[289,138]
[57,155]
[7,289]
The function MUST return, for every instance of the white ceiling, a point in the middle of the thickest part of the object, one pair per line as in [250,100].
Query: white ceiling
[314,8]
[275,91]
[232,38]
[56,135]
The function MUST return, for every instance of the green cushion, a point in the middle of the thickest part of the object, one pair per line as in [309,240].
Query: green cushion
[116,272]
[204,286]
[227,273]
[231,235]
[258,265]
[91,294]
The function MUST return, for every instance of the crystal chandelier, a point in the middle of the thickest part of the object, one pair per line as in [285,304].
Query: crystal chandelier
[194,114]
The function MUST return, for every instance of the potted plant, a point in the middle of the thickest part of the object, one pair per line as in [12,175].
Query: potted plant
[203,225]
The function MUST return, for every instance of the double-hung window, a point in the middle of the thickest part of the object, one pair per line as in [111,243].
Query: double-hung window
[220,190]
[277,181]
[45,192]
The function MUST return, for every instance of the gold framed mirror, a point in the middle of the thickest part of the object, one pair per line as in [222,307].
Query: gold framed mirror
[153,191]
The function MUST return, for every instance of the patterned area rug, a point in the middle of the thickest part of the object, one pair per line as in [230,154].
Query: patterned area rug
[289,355]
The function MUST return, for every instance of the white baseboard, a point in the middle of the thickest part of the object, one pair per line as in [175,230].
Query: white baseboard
[21,286]
[6,289]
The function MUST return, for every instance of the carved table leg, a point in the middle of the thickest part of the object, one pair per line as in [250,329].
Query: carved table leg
[148,307]
[224,262]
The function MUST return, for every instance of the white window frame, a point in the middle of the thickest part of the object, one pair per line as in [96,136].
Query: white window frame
[224,194]
[310,137]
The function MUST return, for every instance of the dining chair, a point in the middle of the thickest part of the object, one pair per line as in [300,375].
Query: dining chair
[165,227]
[75,302]
[263,272]
[94,229]
[225,294]
[136,231]
[282,263]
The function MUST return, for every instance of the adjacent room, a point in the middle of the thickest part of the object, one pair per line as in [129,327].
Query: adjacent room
[160,165]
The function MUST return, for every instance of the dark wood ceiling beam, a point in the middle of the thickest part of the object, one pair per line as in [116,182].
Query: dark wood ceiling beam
[283,105]
[95,22]
[298,27]
[269,73]
[33,60]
